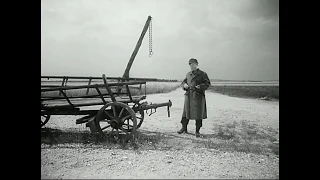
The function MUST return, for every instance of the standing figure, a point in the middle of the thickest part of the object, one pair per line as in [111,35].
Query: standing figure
[195,84]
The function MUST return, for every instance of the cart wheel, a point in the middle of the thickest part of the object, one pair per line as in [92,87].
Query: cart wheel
[116,116]
[44,119]
[139,115]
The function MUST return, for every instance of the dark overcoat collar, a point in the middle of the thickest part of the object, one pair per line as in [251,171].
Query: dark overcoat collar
[194,73]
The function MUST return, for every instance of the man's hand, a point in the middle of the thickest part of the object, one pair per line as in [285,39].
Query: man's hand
[197,86]
[185,86]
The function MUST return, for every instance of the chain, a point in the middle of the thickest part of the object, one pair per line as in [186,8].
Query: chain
[150,39]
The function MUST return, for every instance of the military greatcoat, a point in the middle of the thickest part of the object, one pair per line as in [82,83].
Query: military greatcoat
[195,100]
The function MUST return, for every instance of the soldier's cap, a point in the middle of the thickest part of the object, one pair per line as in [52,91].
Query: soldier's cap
[192,60]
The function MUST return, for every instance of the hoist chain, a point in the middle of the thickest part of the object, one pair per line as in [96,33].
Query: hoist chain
[150,39]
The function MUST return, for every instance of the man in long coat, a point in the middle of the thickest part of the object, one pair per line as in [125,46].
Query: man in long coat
[195,84]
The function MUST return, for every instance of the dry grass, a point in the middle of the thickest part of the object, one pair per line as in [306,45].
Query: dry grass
[74,136]
[244,137]
[161,87]
[268,92]
[236,136]
[149,88]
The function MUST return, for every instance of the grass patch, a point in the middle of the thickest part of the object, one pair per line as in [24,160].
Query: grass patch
[274,148]
[148,141]
[68,137]
[268,92]
[243,137]
[161,87]
[236,136]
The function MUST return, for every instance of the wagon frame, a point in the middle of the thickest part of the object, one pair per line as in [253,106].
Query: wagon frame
[121,111]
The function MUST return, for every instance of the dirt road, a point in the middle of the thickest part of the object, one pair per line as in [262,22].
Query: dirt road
[174,155]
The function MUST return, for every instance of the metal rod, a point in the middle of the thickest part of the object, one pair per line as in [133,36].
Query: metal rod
[153,106]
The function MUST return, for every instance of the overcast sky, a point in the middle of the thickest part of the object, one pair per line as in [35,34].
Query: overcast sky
[232,39]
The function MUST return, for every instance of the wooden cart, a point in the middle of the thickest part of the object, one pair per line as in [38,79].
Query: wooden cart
[121,112]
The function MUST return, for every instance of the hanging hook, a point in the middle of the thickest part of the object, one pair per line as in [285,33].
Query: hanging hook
[150,53]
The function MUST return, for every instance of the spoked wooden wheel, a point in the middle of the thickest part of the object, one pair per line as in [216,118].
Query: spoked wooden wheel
[44,119]
[116,118]
[139,115]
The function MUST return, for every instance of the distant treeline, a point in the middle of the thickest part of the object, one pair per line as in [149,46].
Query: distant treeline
[227,80]
[154,80]
[167,80]
[95,79]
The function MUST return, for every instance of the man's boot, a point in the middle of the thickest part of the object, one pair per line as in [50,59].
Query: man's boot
[184,122]
[198,126]
[197,131]
[183,129]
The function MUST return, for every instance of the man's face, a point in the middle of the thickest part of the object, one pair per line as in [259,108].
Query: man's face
[193,66]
